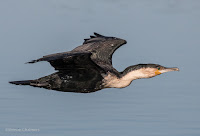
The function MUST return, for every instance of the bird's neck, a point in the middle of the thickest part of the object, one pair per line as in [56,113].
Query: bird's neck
[125,78]
[135,74]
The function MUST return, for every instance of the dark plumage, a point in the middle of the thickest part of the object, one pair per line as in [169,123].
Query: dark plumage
[88,68]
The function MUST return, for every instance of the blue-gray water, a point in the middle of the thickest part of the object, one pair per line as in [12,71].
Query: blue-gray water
[166,32]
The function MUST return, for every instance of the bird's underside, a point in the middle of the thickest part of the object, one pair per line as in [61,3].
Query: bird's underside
[76,80]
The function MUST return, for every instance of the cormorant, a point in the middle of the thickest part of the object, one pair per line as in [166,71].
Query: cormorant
[88,68]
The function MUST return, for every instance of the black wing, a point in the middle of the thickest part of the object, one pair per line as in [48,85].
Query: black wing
[102,46]
[96,51]
[69,60]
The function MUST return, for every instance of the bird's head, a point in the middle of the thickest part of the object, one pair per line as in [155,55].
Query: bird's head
[145,71]
[154,69]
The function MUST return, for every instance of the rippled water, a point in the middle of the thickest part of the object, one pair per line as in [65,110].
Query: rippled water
[164,32]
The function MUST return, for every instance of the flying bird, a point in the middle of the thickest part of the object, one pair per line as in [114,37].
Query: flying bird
[88,68]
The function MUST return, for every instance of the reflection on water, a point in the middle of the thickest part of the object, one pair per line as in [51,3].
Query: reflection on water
[163,32]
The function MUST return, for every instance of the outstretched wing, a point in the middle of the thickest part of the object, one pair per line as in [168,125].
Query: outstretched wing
[102,46]
[96,51]
[69,60]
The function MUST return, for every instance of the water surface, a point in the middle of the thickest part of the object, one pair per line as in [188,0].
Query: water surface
[164,32]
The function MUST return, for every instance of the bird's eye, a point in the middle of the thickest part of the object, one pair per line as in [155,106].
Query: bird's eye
[159,68]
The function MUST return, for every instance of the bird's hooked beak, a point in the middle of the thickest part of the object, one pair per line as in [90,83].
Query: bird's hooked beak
[166,70]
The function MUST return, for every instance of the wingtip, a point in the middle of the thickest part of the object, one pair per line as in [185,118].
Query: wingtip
[98,35]
[91,36]
[11,82]
[24,82]
[30,62]
[14,82]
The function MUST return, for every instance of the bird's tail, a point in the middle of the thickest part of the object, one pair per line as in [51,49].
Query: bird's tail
[24,82]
